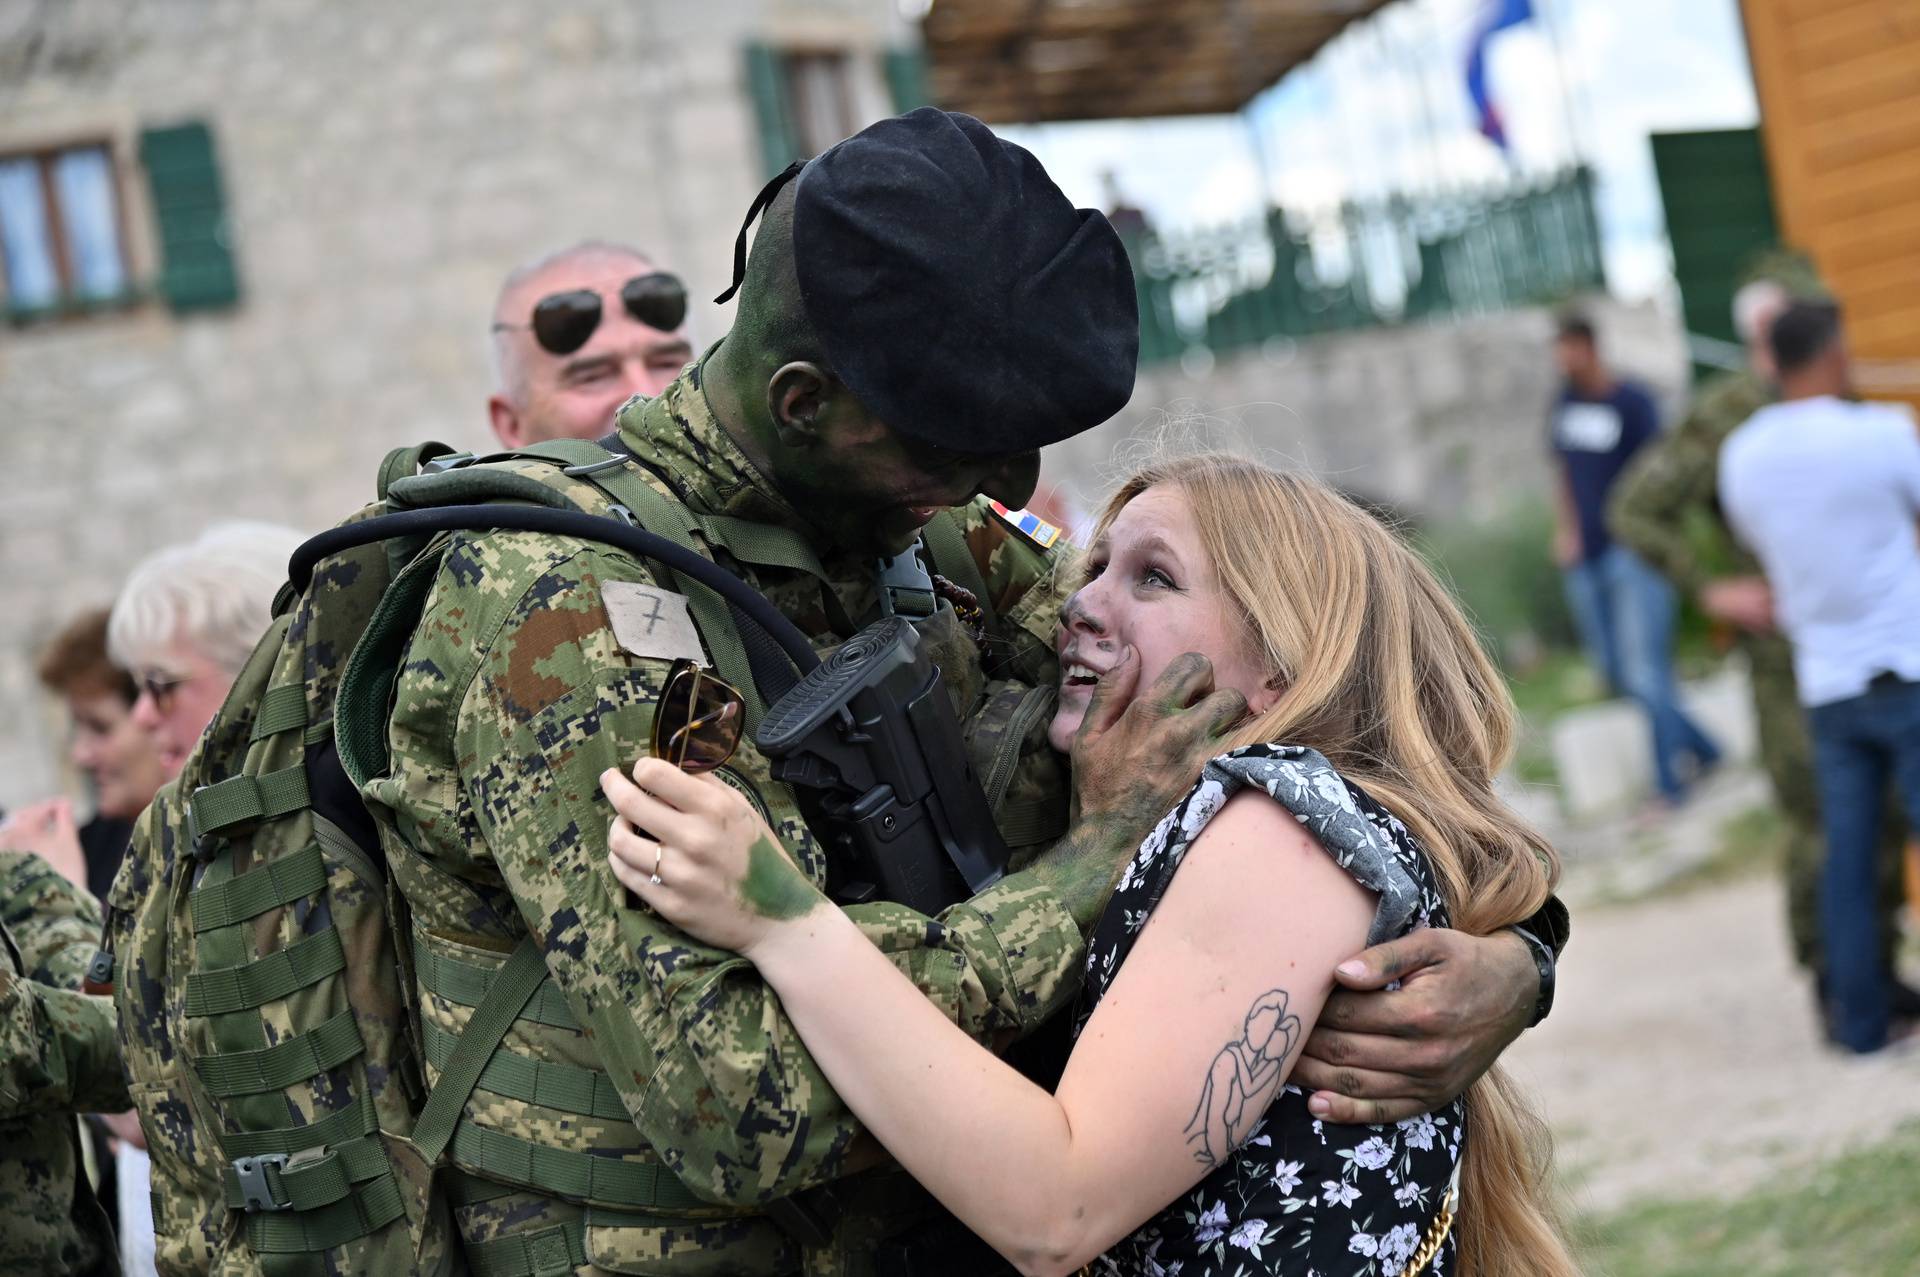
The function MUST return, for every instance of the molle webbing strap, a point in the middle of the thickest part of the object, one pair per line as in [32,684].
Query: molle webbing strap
[468,984]
[583,1092]
[267,979]
[950,556]
[546,1252]
[280,709]
[313,1184]
[555,1251]
[278,882]
[273,1068]
[242,800]
[512,987]
[576,1176]
[367,1208]
[357,1119]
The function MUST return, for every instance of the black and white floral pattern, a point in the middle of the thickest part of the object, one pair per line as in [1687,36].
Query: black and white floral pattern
[1300,1196]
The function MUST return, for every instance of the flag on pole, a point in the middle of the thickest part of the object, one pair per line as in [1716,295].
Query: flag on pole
[1498,16]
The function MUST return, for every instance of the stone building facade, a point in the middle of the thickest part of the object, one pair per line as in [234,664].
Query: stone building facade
[382,167]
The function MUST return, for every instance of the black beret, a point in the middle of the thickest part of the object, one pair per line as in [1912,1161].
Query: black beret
[957,291]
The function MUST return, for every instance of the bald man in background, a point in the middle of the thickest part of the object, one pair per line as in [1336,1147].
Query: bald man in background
[576,334]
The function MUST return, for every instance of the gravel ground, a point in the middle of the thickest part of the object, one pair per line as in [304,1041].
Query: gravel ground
[1682,1058]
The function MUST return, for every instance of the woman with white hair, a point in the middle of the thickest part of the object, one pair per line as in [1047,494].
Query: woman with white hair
[186,621]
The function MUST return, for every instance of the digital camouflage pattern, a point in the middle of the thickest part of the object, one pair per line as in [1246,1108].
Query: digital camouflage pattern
[513,698]
[58,1057]
[326,890]
[1666,510]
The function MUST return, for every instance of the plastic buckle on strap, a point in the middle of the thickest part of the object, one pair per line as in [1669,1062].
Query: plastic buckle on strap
[255,1188]
[203,846]
[905,587]
[452,461]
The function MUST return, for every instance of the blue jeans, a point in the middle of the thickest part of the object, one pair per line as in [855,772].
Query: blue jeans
[1858,745]
[1624,611]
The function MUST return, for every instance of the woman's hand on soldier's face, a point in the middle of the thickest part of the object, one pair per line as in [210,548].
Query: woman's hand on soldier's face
[701,857]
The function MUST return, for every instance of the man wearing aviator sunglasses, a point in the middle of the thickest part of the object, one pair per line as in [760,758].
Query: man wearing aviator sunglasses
[575,335]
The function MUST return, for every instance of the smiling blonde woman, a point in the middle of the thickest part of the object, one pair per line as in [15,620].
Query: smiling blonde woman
[1355,804]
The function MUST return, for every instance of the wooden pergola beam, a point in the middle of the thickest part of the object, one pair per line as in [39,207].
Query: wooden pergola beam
[1017,60]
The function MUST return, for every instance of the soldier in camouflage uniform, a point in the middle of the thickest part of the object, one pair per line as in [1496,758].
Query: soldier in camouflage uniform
[649,1108]
[1665,510]
[58,1057]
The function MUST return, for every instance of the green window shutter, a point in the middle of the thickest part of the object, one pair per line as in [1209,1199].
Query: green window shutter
[1719,208]
[197,266]
[767,80]
[907,79]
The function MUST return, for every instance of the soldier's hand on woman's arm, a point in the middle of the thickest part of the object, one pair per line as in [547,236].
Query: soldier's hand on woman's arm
[1379,1056]
[1134,757]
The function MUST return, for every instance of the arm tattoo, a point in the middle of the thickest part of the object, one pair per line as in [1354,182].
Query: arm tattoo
[1242,1078]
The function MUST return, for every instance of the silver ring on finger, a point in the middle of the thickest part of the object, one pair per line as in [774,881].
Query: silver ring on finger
[659,852]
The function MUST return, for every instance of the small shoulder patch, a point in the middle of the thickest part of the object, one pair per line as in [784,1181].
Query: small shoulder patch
[1029,525]
[651,622]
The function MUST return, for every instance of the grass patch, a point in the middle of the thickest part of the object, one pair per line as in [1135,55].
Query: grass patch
[1852,1217]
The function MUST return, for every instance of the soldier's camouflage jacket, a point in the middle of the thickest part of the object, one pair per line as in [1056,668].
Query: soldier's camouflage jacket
[513,698]
[1665,508]
[58,1057]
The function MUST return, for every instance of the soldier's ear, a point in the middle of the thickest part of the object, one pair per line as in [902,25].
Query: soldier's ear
[796,401]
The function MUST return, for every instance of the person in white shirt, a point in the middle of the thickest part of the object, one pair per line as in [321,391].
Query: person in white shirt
[1826,491]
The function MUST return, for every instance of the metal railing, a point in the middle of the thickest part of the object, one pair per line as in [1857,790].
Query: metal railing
[1295,274]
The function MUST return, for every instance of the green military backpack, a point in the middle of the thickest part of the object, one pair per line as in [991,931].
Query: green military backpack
[302,1049]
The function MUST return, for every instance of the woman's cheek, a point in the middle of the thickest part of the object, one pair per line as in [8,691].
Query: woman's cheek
[1066,721]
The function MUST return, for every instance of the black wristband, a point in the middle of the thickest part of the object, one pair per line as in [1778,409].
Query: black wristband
[1543,960]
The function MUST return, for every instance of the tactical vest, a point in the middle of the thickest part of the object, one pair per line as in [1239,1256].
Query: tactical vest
[311,994]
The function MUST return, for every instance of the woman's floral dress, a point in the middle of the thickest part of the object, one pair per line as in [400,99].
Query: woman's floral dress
[1300,1196]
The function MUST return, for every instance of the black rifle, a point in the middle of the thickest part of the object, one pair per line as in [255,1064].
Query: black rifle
[870,740]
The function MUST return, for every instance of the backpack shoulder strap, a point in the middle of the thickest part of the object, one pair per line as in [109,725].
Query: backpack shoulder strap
[949,555]
[633,500]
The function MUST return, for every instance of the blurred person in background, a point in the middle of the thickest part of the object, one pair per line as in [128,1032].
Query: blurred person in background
[1666,509]
[123,769]
[118,758]
[59,1055]
[1622,608]
[1827,493]
[576,334]
[186,620]
[184,624]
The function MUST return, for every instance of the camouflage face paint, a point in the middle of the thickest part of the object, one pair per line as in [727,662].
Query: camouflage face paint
[774,887]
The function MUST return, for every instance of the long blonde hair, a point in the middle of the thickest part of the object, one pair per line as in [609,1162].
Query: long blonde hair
[1380,672]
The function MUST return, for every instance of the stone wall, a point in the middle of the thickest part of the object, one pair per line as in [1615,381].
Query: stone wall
[385,165]
[1441,420]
